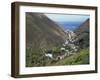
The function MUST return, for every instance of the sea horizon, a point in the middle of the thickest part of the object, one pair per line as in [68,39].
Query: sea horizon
[69,25]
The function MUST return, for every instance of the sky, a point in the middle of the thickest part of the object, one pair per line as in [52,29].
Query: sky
[67,17]
[68,21]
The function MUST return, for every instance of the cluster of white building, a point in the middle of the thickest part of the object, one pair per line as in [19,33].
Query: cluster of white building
[69,42]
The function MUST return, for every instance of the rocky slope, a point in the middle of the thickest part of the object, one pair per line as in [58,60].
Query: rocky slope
[42,33]
[83,34]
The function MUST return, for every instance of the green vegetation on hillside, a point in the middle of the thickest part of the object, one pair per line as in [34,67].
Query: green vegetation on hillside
[81,57]
[38,59]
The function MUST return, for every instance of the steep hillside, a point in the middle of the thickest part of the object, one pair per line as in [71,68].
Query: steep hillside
[83,34]
[42,33]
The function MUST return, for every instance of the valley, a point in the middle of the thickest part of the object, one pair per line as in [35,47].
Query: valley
[47,44]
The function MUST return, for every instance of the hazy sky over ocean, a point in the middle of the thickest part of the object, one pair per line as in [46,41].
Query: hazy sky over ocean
[68,21]
[68,17]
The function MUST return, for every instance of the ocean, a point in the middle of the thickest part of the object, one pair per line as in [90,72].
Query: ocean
[69,25]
